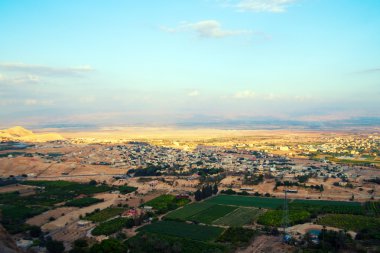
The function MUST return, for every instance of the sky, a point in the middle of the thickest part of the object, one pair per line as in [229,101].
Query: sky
[142,62]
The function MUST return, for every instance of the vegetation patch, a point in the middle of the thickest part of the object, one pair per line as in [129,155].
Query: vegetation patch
[165,203]
[213,213]
[271,203]
[237,236]
[275,217]
[349,222]
[326,206]
[159,243]
[239,217]
[83,202]
[127,189]
[112,226]
[184,230]
[188,211]
[105,214]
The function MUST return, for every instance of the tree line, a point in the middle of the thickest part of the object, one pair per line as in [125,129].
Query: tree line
[206,191]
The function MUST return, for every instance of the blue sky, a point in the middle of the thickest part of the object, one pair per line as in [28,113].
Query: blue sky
[163,61]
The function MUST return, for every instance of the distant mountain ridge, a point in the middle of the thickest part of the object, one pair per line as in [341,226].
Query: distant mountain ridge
[19,133]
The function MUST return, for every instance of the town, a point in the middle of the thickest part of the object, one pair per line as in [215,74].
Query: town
[127,189]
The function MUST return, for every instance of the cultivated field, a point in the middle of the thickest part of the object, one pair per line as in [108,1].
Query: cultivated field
[213,213]
[350,222]
[271,203]
[239,217]
[104,214]
[184,230]
[188,210]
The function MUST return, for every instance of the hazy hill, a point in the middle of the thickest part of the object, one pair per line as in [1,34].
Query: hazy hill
[19,133]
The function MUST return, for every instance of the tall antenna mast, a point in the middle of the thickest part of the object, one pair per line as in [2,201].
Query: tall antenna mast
[285,218]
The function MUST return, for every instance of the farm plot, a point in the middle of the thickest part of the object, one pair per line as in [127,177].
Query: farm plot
[275,217]
[83,202]
[235,200]
[112,226]
[165,203]
[184,230]
[325,206]
[239,217]
[188,211]
[213,213]
[350,222]
[105,214]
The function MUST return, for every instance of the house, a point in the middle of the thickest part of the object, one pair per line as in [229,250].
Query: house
[148,208]
[130,213]
[82,223]
[182,196]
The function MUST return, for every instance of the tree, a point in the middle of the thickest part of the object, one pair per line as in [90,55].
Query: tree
[53,246]
[204,192]
[198,195]
[79,246]
[109,245]
[93,182]
[215,189]
[35,231]
[81,243]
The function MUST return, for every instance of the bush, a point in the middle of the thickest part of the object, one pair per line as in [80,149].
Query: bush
[54,246]
[35,231]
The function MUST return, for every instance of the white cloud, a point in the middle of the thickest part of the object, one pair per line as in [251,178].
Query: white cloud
[244,94]
[36,70]
[206,29]
[19,79]
[193,93]
[264,5]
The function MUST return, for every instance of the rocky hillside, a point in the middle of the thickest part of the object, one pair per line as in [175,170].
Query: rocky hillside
[7,245]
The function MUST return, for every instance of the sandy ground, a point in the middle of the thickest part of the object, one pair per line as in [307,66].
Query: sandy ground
[43,218]
[52,169]
[304,228]
[267,244]
[71,233]
[73,216]
[24,190]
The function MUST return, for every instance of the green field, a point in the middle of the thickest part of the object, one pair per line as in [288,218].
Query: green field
[126,189]
[151,243]
[112,226]
[165,203]
[350,222]
[320,206]
[82,202]
[326,206]
[184,230]
[274,217]
[104,214]
[213,213]
[239,217]
[188,210]
[271,203]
